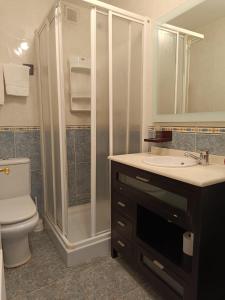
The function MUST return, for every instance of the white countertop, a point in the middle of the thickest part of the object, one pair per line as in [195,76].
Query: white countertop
[196,175]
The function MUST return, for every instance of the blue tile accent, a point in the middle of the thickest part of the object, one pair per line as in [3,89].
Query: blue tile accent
[7,149]
[27,144]
[215,143]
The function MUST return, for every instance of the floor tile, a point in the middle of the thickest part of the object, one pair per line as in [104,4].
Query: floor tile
[45,277]
[106,280]
[65,289]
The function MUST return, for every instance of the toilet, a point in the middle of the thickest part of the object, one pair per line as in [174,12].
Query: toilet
[18,213]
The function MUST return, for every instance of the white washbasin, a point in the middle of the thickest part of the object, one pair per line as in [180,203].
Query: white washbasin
[170,161]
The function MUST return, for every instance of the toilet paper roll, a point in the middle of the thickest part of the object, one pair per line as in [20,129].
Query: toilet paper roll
[188,243]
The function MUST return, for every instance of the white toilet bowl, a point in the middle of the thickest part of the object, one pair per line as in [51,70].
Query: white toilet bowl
[15,244]
[18,213]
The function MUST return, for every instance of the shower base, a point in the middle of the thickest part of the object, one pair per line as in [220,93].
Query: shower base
[80,248]
[79,220]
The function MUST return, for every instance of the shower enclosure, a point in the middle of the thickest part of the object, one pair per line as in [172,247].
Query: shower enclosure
[91,77]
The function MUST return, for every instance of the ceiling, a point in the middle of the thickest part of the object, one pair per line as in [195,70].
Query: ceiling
[200,15]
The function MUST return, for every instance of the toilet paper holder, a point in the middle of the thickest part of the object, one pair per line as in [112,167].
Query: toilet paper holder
[188,243]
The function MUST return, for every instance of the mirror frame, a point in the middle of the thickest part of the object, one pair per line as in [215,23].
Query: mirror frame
[184,117]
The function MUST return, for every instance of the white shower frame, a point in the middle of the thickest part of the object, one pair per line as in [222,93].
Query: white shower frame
[58,235]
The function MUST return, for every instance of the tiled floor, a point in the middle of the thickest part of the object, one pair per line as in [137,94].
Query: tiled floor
[46,277]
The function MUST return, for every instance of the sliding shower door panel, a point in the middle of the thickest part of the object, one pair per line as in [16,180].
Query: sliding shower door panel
[47,124]
[55,102]
[102,125]
[127,84]
[120,76]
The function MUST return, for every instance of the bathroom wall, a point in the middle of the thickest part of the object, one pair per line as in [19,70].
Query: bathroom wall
[18,22]
[19,116]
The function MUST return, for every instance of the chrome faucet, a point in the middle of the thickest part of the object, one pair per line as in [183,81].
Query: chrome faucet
[203,158]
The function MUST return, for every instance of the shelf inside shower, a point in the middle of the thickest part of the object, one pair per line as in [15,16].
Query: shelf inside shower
[81,103]
[80,84]
[75,68]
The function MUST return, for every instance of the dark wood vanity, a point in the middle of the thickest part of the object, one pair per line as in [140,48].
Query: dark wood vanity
[150,214]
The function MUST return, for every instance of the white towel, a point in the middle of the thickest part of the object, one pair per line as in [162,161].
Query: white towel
[16,79]
[2,91]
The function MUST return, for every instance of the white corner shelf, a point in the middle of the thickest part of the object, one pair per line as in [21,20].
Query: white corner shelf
[80,81]
[80,108]
[76,68]
[77,96]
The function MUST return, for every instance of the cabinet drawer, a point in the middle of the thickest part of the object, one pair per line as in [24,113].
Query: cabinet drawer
[171,199]
[122,225]
[155,271]
[123,204]
[122,245]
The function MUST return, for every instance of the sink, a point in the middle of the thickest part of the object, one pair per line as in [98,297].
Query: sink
[170,161]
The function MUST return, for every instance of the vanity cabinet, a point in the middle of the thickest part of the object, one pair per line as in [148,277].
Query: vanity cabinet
[150,214]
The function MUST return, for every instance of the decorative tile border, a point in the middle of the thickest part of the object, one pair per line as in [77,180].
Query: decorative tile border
[78,126]
[19,128]
[32,128]
[207,130]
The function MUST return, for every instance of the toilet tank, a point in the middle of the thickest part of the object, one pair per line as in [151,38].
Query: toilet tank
[18,182]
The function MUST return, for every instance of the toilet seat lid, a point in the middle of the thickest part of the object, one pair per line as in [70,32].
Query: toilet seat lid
[18,209]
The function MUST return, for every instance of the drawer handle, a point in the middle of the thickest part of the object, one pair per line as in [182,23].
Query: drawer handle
[142,179]
[121,223]
[121,204]
[157,263]
[175,216]
[121,244]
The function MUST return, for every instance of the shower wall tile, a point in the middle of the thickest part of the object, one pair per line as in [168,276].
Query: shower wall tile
[71,183]
[78,157]
[7,149]
[25,142]
[83,145]
[83,174]
[70,136]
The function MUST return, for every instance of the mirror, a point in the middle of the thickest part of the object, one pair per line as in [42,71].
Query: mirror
[190,61]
